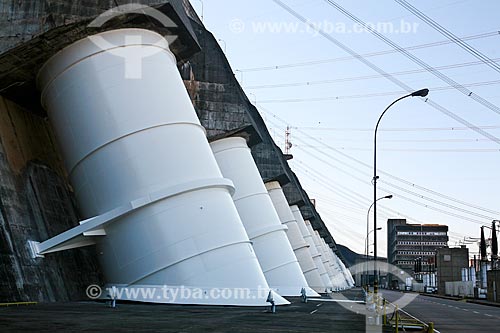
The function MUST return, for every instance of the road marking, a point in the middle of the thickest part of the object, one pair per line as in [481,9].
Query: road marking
[488,315]
[320,304]
[465,309]
[475,312]
[312,312]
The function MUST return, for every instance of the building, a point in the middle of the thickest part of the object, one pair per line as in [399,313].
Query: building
[412,247]
[451,263]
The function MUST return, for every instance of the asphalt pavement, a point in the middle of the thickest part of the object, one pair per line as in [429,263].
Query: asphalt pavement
[450,315]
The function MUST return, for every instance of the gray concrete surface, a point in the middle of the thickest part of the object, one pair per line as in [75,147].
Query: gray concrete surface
[97,317]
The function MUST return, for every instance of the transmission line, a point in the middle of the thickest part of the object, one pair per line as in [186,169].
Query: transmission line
[461,88]
[365,55]
[448,34]
[382,72]
[379,94]
[382,172]
[358,78]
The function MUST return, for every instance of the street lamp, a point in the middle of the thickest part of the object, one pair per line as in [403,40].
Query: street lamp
[367,246]
[368,225]
[368,235]
[419,93]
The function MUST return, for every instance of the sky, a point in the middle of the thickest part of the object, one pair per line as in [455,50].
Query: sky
[438,169]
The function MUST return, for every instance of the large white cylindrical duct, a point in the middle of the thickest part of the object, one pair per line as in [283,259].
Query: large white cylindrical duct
[338,278]
[262,223]
[345,278]
[299,245]
[324,287]
[324,257]
[336,281]
[313,245]
[347,273]
[128,134]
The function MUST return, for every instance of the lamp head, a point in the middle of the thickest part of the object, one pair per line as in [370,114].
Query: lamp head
[388,196]
[379,228]
[420,93]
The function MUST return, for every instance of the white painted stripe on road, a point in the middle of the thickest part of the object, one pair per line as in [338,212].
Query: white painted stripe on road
[488,315]
[475,312]
[312,312]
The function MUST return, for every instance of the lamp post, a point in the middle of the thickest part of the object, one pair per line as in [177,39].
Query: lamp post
[367,276]
[368,225]
[421,93]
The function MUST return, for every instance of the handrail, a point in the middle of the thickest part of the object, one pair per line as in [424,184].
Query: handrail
[399,321]
[18,303]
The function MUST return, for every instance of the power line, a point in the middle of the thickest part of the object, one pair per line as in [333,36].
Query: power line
[388,129]
[358,78]
[416,150]
[415,194]
[381,172]
[365,55]
[448,34]
[382,72]
[439,209]
[379,94]
[415,140]
[409,192]
[348,193]
[409,200]
[417,60]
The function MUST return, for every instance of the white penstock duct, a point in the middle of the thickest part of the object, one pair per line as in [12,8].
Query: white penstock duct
[323,285]
[262,223]
[144,176]
[299,245]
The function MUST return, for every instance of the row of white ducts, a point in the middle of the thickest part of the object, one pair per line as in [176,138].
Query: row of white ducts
[192,217]
[284,244]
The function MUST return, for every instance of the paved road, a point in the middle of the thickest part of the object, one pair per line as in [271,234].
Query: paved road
[450,315]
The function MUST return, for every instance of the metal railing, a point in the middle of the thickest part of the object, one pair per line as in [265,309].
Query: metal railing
[18,303]
[395,317]
[402,320]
